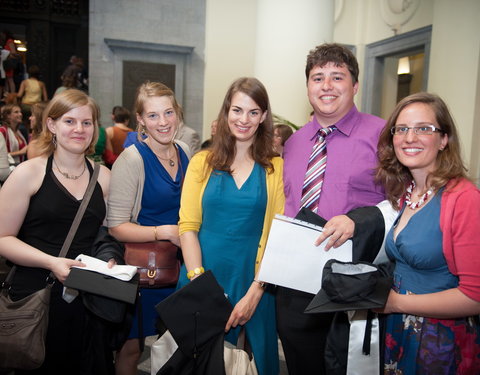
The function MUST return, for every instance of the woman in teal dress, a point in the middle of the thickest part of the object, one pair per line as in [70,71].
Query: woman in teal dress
[230,196]
[433,307]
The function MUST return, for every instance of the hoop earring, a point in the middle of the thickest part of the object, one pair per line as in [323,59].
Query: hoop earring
[54,140]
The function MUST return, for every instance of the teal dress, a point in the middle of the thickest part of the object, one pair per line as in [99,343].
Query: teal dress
[231,228]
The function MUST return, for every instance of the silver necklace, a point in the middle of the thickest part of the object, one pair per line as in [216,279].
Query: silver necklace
[421,201]
[70,176]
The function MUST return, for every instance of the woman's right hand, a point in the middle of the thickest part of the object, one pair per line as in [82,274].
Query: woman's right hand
[61,267]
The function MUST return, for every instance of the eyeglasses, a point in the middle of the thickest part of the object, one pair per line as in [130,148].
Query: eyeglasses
[418,130]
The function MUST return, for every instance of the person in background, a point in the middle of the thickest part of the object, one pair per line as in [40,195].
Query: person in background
[350,138]
[3,57]
[68,82]
[190,137]
[144,199]
[8,43]
[31,91]
[4,163]
[433,307]
[38,202]
[36,126]
[100,146]
[14,139]
[241,172]
[117,134]
[213,130]
[73,70]
[281,133]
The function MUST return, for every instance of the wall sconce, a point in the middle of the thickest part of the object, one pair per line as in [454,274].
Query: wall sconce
[403,65]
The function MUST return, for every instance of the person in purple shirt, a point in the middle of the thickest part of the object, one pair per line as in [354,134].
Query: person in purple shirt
[332,83]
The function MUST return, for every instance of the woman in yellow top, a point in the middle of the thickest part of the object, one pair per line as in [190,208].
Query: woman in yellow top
[32,91]
[230,196]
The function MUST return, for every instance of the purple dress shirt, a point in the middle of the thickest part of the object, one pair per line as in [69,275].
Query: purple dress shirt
[351,158]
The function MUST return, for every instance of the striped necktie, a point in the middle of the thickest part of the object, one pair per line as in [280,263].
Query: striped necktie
[312,185]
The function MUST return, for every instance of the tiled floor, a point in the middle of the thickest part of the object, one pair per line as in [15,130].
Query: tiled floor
[144,367]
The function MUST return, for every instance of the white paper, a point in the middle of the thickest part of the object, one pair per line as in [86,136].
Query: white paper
[292,260]
[121,272]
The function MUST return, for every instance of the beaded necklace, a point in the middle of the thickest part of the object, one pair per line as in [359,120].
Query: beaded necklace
[421,201]
[70,176]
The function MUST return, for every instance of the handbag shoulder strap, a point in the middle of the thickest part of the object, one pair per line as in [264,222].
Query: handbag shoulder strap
[80,212]
[73,227]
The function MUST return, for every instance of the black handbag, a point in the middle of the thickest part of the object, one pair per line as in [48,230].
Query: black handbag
[24,323]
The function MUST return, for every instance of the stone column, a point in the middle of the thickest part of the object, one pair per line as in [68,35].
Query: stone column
[286,31]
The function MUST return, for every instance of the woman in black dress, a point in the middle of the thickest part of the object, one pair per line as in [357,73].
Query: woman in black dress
[38,203]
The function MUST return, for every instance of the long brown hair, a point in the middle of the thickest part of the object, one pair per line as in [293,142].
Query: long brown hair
[223,148]
[6,112]
[394,175]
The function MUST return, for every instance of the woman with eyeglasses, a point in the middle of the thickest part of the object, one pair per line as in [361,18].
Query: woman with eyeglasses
[433,307]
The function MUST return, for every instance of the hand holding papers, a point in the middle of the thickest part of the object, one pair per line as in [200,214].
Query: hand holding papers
[121,272]
[116,283]
[292,260]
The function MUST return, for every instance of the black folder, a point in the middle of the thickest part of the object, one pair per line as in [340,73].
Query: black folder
[103,285]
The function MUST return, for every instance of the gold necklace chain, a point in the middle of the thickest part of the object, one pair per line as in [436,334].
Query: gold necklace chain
[169,159]
[68,176]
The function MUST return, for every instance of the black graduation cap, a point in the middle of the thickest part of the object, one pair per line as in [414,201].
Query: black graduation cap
[196,316]
[350,286]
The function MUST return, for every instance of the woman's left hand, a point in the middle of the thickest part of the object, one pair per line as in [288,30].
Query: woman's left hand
[112,262]
[245,308]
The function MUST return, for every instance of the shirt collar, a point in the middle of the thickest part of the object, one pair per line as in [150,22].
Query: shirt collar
[345,125]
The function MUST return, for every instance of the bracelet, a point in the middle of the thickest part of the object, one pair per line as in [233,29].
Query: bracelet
[261,283]
[195,272]
[155,232]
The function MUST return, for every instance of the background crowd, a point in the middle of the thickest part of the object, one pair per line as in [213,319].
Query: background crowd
[216,202]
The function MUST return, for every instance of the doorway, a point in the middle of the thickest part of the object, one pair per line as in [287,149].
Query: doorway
[384,84]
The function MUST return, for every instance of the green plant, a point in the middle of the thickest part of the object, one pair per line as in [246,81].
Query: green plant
[281,120]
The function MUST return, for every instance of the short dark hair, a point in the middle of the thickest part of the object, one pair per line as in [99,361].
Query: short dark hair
[334,53]
[34,71]
[284,131]
[120,114]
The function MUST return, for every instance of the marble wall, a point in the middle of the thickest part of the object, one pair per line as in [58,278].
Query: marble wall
[147,31]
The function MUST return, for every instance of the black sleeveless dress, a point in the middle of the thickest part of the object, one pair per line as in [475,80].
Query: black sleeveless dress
[50,214]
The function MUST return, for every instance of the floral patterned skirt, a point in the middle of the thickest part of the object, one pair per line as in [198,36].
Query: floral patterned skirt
[418,345]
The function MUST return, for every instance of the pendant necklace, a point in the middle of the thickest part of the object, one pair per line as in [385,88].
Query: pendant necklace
[421,201]
[70,176]
[168,159]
